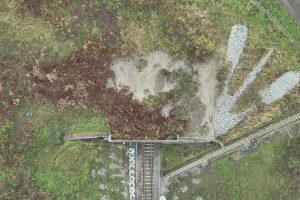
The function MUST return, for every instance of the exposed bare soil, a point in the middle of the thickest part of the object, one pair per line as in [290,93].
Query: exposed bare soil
[82,77]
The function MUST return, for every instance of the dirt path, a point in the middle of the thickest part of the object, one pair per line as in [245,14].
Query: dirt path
[207,91]
[293,8]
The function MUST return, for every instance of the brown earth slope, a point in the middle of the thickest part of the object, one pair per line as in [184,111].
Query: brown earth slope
[82,76]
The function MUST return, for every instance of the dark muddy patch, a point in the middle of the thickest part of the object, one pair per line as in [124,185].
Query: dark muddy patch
[82,76]
[32,6]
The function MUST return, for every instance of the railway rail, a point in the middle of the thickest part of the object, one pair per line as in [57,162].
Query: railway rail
[148,172]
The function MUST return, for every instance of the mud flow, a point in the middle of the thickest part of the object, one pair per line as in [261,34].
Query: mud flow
[81,78]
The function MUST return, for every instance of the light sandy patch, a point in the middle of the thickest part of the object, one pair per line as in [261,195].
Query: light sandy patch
[37,72]
[148,80]
[104,198]
[99,160]
[113,166]
[166,110]
[113,156]
[101,172]
[143,82]
[184,189]
[93,173]
[102,186]
[175,197]
[52,76]
[207,73]
[16,101]
[196,111]
[68,87]
[196,181]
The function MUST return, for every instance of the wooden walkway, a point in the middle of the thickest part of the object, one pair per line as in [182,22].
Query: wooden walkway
[243,143]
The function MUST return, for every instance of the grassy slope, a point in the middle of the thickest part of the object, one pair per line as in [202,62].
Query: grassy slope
[31,147]
[279,12]
[143,27]
[263,34]
[60,169]
[171,157]
[27,39]
[65,171]
[260,175]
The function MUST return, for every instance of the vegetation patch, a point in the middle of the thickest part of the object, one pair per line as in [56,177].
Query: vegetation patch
[82,77]
[280,13]
[56,55]
[74,170]
[64,171]
[263,174]
[171,157]
[175,156]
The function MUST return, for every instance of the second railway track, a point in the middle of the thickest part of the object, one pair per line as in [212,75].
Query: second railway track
[148,172]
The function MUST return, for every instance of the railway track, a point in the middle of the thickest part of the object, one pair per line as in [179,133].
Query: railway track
[243,143]
[148,172]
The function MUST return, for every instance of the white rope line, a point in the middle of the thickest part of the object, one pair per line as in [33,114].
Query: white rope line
[131,182]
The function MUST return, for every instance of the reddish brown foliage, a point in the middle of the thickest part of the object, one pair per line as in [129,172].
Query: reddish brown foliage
[82,77]
[32,6]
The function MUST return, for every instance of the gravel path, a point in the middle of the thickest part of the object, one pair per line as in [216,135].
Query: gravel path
[280,87]
[236,43]
[223,119]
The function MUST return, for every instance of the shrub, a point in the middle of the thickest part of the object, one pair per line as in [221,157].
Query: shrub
[203,46]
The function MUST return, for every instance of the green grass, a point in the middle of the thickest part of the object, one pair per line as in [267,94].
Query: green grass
[145,27]
[259,175]
[64,171]
[281,14]
[36,157]
[31,40]
[46,120]
[88,121]
[263,34]
[171,157]
[60,169]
